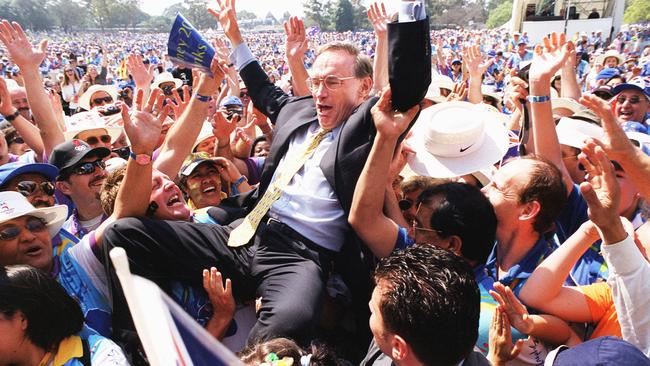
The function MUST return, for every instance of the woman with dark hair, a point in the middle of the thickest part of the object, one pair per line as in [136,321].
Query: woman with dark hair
[71,89]
[39,323]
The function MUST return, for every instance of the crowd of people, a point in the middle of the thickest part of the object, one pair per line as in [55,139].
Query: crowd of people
[324,198]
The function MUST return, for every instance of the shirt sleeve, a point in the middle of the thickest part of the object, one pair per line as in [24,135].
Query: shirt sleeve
[598,299]
[241,56]
[403,239]
[629,280]
[82,253]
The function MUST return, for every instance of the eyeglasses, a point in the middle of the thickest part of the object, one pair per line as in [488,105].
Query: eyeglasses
[243,95]
[103,100]
[33,224]
[332,82]
[94,140]
[405,204]
[28,188]
[633,100]
[123,152]
[87,168]
[418,232]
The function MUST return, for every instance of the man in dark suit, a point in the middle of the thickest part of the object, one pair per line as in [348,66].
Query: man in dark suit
[285,257]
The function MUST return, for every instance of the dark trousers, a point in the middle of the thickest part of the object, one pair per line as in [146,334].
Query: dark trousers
[281,266]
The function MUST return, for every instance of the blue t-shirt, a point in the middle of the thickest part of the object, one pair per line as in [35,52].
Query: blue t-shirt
[591,267]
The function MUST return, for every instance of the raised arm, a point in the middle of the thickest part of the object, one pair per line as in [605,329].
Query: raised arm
[367,218]
[476,67]
[183,133]
[142,74]
[296,45]
[379,18]
[25,128]
[143,129]
[619,147]
[570,87]
[28,59]
[544,65]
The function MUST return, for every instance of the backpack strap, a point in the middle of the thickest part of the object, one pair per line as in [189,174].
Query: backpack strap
[85,358]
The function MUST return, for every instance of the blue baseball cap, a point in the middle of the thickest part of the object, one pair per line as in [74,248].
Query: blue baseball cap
[231,100]
[11,170]
[603,351]
[608,73]
[632,126]
[639,83]
[491,53]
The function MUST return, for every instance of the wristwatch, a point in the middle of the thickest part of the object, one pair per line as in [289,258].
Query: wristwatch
[141,159]
[12,116]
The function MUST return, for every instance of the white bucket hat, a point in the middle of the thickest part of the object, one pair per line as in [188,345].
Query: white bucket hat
[574,132]
[441,81]
[206,132]
[165,77]
[600,60]
[84,99]
[88,121]
[566,103]
[14,205]
[456,138]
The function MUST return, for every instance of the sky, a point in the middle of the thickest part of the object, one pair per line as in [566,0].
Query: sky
[259,7]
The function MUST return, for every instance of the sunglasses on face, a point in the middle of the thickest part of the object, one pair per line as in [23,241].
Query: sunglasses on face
[28,188]
[123,152]
[16,140]
[332,82]
[405,204]
[633,100]
[243,95]
[33,224]
[87,168]
[97,101]
[94,140]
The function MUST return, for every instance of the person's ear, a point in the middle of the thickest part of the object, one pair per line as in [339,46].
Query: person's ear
[399,348]
[455,244]
[529,211]
[63,186]
[366,86]
[24,323]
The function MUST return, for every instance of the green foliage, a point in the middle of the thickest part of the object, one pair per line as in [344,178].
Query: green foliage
[158,23]
[344,16]
[245,15]
[500,15]
[318,12]
[637,11]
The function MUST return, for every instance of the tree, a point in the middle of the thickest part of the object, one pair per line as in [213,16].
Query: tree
[344,16]
[360,15]
[245,15]
[160,24]
[60,11]
[32,14]
[638,11]
[100,10]
[317,11]
[500,15]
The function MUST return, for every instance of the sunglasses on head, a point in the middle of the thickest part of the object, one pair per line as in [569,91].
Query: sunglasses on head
[123,152]
[103,100]
[28,188]
[33,224]
[87,168]
[94,140]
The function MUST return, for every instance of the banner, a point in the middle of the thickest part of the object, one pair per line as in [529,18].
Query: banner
[186,46]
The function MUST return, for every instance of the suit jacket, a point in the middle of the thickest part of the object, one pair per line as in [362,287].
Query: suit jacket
[344,160]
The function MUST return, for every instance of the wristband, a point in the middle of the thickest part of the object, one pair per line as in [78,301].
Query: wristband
[202,98]
[239,181]
[140,159]
[12,116]
[538,98]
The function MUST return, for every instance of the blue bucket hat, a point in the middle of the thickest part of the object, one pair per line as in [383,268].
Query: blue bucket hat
[603,351]
[608,73]
[11,170]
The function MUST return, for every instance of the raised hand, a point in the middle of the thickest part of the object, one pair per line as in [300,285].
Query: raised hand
[459,92]
[144,125]
[296,43]
[391,123]
[601,190]
[378,18]
[142,75]
[222,127]
[19,47]
[223,303]
[474,61]
[221,47]
[615,142]
[227,17]
[208,85]
[179,104]
[513,308]
[500,342]
[550,58]
[6,107]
